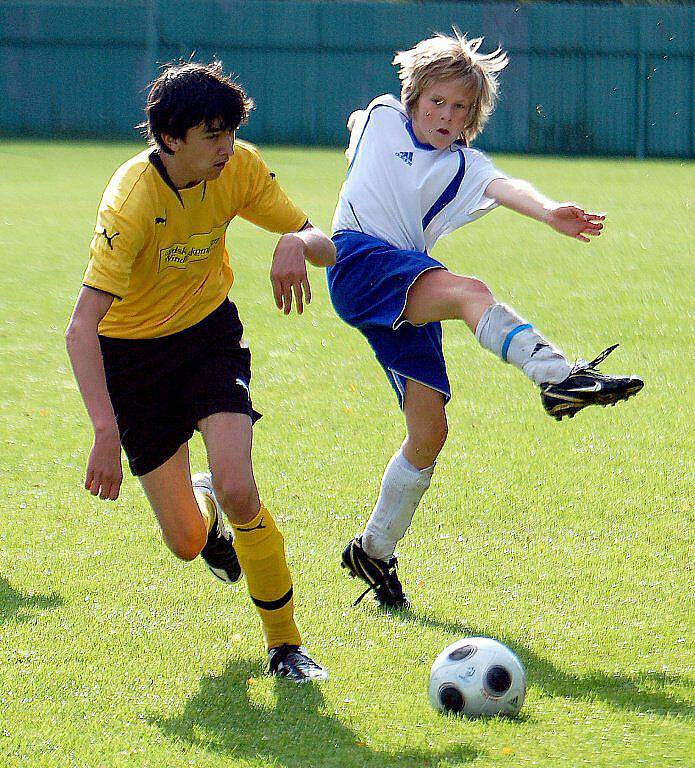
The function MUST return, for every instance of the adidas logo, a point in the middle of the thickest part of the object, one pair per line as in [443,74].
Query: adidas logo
[406,157]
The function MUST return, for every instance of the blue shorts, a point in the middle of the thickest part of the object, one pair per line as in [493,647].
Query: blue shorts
[369,286]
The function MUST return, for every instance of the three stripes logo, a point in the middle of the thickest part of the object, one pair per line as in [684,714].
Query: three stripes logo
[406,157]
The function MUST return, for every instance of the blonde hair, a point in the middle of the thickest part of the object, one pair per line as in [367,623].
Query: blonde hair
[445,57]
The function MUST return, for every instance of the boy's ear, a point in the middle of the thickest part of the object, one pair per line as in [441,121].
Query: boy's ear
[170,142]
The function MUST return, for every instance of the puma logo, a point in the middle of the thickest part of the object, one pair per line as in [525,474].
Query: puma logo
[255,527]
[109,240]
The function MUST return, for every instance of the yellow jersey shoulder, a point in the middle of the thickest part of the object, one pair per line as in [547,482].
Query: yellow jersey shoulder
[247,152]
[246,165]
[131,186]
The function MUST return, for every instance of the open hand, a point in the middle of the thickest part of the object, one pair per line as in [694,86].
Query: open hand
[574,222]
[288,274]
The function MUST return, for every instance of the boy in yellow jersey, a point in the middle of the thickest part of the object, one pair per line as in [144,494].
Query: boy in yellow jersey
[156,345]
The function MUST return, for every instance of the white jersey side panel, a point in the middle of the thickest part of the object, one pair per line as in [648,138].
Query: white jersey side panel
[405,192]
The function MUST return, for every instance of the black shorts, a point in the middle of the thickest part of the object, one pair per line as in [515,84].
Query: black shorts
[161,388]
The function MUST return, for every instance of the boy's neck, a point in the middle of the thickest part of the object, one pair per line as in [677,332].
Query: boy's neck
[180,176]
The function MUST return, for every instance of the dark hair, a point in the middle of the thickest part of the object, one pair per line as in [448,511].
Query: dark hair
[187,94]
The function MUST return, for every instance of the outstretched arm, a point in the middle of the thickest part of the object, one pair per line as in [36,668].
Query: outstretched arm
[288,273]
[568,219]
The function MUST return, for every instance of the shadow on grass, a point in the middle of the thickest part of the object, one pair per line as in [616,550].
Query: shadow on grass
[625,691]
[17,606]
[295,731]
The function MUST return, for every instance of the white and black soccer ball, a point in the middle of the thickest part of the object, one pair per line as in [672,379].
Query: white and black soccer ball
[477,676]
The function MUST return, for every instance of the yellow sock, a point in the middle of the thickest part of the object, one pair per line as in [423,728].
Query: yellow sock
[206,505]
[261,551]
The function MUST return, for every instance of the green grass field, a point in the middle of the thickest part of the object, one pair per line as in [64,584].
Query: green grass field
[570,542]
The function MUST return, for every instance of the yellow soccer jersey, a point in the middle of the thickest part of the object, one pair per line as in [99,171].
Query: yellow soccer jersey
[161,251]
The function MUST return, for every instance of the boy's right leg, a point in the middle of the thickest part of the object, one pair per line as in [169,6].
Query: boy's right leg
[565,388]
[170,493]
[189,523]
[407,477]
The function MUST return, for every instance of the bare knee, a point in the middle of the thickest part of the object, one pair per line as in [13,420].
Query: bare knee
[472,290]
[473,297]
[238,495]
[187,545]
[437,436]
[423,446]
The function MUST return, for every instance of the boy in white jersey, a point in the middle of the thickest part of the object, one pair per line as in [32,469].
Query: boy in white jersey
[412,178]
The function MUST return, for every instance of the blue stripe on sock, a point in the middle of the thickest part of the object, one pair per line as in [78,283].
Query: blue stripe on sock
[510,336]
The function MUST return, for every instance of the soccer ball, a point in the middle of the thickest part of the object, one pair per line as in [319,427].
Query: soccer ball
[477,676]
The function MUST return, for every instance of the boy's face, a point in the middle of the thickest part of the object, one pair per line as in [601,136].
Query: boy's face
[442,112]
[202,153]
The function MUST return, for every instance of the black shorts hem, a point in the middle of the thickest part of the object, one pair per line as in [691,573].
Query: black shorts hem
[161,388]
[143,465]
[211,408]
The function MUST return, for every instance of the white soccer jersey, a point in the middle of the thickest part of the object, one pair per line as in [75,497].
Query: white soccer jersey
[404,192]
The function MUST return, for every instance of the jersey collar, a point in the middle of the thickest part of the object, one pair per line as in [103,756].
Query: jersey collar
[156,161]
[416,141]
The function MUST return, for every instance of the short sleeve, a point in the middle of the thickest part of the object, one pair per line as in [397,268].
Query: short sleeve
[267,205]
[356,132]
[380,121]
[479,173]
[117,241]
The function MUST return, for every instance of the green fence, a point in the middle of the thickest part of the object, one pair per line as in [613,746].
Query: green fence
[583,79]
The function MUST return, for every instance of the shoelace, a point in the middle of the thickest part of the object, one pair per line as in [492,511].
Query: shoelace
[393,564]
[295,657]
[582,365]
[302,661]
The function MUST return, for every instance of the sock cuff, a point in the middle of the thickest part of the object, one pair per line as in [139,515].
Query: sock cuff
[482,323]
[398,461]
[256,530]
[497,327]
[410,473]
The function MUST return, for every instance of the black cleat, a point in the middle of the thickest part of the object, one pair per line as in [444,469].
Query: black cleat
[293,662]
[586,386]
[218,553]
[380,575]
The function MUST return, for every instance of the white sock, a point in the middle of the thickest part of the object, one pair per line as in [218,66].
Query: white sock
[402,488]
[506,335]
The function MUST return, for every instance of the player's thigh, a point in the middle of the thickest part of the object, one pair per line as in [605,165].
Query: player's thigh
[170,493]
[441,295]
[228,439]
[425,418]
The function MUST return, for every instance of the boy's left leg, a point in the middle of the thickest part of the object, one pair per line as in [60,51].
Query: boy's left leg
[258,543]
[565,388]
[406,478]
